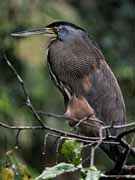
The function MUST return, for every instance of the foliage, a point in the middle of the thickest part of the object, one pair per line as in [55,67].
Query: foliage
[7,173]
[13,168]
[71,150]
[57,170]
[91,173]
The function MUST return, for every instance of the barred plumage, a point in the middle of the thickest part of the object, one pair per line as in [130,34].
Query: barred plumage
[79,70]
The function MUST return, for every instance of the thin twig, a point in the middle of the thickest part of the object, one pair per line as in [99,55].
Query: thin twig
[17,139]
[80,138]
[128,152]
[125,133]
[45,143]
[127,146]
[28,100]
[113,177]
[92,156]
[57,116]
[57,149]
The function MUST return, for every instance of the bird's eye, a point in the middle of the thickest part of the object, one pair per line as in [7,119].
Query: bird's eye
[62,32]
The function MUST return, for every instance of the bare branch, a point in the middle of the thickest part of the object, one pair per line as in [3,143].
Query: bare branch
[65,134]
[128,152]
[28,101]
[113,177]
[125,133]
[57,116]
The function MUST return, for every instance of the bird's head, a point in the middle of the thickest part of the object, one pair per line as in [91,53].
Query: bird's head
[59,30]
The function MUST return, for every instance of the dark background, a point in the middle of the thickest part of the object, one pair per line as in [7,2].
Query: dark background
[109,23]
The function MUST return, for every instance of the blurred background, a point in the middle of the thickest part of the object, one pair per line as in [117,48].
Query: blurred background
[109,23]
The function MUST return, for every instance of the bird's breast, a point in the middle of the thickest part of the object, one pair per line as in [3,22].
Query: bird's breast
[71,64]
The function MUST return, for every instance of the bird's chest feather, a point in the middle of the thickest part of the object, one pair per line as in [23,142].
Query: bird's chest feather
[71,64]
[68,58]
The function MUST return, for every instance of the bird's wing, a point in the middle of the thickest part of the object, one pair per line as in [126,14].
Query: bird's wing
[105,94]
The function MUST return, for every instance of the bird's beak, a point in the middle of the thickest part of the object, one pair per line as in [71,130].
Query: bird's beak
[44,31]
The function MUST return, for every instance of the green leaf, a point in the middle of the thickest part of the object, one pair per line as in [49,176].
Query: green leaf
[56,170]
[7,174]
[93,174]
[71,150]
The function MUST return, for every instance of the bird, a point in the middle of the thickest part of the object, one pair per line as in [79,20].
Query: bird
[79,70]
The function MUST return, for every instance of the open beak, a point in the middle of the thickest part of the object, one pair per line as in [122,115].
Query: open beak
[44,31]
